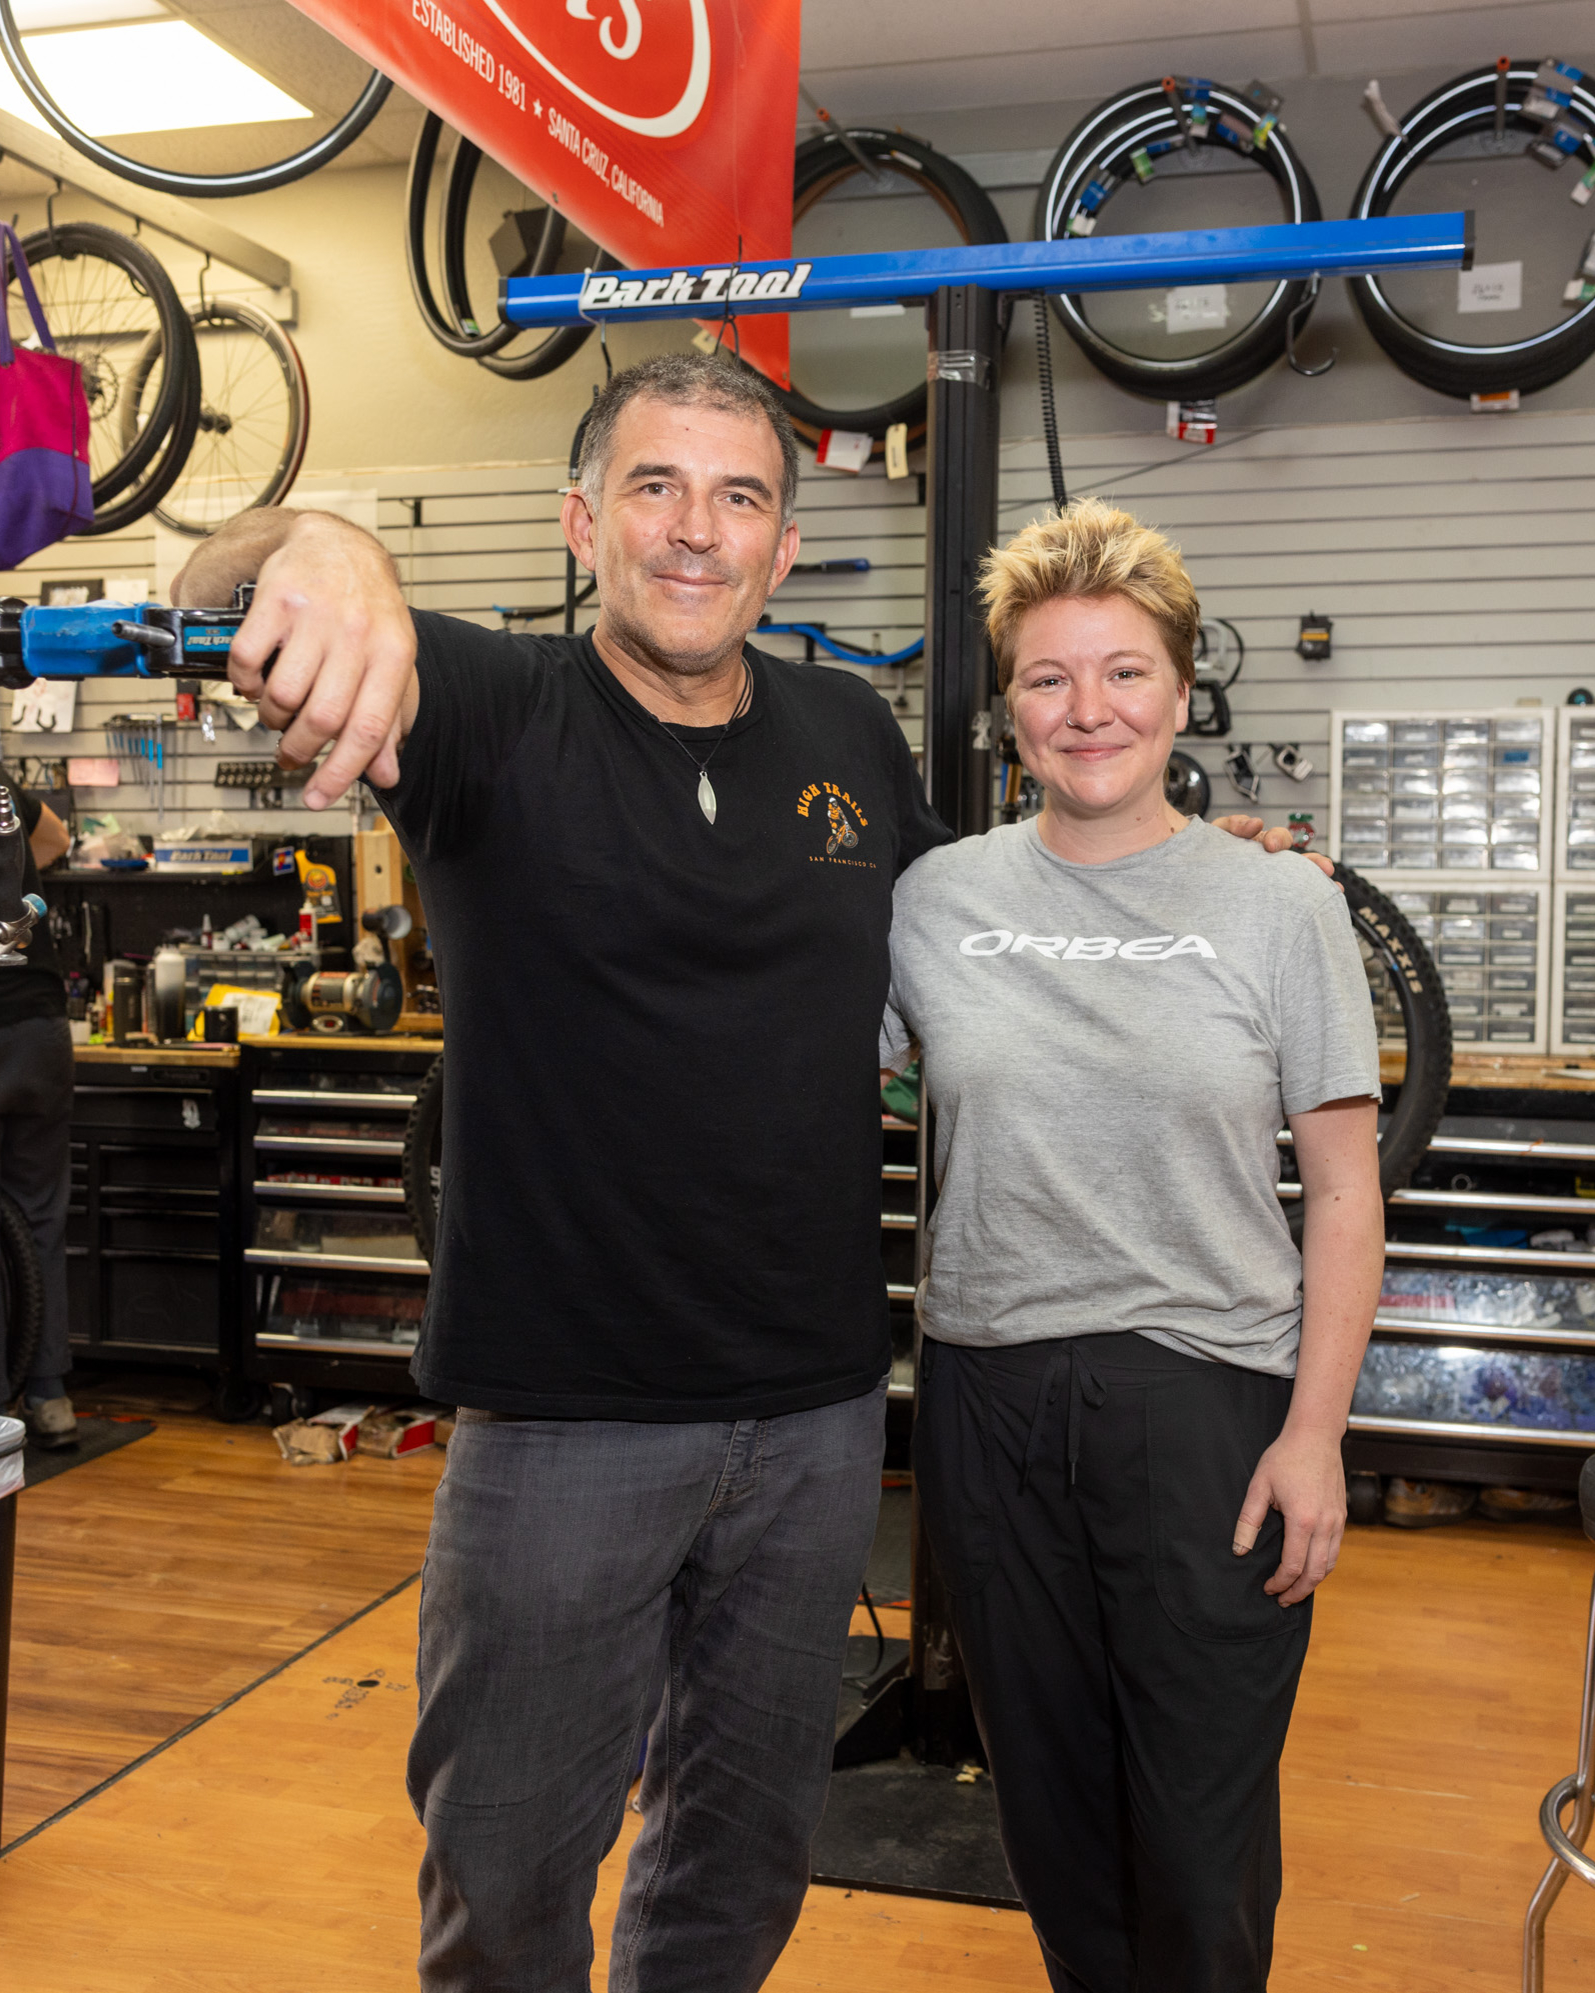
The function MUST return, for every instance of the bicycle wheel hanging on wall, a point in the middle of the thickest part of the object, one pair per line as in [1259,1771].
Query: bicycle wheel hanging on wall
[529,242]
[908,196]
[1168,145]
[1490,133]
[254,419]
[189,186]
[113,309]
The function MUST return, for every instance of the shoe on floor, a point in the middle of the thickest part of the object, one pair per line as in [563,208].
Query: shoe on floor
[1525,1504]
[52,1423]
[1427,1504]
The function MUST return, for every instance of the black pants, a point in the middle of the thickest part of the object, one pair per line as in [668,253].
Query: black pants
[1132,1681]
[36,1168]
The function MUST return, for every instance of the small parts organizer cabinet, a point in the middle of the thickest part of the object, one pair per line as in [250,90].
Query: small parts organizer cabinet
[334,1281]
[152,1227]
[1450,814]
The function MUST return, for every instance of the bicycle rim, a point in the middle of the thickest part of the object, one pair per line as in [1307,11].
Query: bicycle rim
[254,420]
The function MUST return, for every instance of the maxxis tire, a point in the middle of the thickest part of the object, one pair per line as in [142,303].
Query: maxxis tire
[24,1293]
[1112,132]
[422,1142]
[1466,103]
[820,163]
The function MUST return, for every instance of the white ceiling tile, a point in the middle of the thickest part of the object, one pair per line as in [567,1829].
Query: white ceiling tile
[840,33]
[882,89]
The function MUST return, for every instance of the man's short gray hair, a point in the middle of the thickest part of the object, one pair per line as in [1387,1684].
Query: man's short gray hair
[693,380]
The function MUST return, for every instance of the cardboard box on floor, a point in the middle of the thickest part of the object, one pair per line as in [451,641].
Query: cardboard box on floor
[387,1431]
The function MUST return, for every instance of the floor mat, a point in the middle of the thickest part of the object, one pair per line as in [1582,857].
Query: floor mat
[95,1436]
[914,1830]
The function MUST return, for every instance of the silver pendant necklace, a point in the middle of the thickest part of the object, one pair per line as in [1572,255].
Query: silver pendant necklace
[706,796]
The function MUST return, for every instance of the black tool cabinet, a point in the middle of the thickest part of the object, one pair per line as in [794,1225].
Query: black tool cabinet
[153,1224]
[333,1281]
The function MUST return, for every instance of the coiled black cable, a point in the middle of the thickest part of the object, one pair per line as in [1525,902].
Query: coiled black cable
[1493,99]
[1049,405]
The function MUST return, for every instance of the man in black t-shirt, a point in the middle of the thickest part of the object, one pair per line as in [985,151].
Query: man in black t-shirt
[657,868]
[35,1131]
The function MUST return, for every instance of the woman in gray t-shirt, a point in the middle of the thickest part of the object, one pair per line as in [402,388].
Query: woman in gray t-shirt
[1133,1387]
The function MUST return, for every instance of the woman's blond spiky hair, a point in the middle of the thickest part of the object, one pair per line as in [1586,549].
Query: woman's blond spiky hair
[1091,549]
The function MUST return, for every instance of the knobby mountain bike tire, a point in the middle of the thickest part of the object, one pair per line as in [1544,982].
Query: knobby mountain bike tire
[422,1167]
[1098,155]
[1384,929]
[823,163]
[21,1292]
[113,309]
[457,329]
[1466,105]
[190,186]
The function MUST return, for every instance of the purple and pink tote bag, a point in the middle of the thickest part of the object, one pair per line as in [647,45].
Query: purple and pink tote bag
[45,488]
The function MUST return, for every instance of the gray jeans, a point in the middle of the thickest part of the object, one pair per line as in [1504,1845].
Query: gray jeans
[36,1168]
[592,1581]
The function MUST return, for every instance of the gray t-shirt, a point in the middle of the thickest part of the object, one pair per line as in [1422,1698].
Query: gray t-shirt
[1111,1051]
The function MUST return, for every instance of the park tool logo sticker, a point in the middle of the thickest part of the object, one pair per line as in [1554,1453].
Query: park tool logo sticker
[727,285]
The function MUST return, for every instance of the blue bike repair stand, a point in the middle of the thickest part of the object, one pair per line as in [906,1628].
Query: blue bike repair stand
[942,1836]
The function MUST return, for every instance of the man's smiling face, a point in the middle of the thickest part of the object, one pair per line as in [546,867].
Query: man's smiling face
[687,542]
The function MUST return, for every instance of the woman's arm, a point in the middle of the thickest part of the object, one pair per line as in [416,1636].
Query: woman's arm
[1343,1256]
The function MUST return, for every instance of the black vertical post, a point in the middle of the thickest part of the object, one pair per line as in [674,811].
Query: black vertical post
[8,1566]
[960,527]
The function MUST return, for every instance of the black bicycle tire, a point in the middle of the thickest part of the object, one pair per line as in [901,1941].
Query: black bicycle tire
[1466,102]
[286,353]
[1112,131]
[190,186]
[824,160]
[463,169]
[1425,1017]
[423,1134]
[25,1302]
[152,486]
[484,347]
[69,240]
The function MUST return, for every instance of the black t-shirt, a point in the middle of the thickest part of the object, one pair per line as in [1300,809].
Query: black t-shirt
[38,990]
[661,1149]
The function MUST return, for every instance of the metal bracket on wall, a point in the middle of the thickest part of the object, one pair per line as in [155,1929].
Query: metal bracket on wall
[48,155]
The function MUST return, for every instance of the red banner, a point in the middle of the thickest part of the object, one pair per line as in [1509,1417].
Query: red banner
[663,128]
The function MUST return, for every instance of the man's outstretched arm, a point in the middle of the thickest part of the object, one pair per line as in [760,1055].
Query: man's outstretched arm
[328,604]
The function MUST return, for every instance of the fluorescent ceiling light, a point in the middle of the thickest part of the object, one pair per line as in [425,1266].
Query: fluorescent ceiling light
[31,15]
[155,76]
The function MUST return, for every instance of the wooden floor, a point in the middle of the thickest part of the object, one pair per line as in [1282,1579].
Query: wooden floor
[271,1848]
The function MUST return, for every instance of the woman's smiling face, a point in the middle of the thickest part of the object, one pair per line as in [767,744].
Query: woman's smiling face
[1096,703]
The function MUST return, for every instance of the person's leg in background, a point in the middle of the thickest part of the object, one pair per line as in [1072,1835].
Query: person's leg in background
[739,1757]
[574,1568]
[36,1171]
[1113,1591]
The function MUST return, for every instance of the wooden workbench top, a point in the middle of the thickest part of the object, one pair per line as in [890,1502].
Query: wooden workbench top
[1529,1071]
[194,1052]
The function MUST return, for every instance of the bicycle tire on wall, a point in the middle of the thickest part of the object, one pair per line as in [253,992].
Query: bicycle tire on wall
[824,162]
[1421,1100]
[457,329]
[1465,105]
[1106,138]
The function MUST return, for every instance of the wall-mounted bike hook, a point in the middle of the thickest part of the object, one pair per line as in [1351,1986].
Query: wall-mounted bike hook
[1291,325]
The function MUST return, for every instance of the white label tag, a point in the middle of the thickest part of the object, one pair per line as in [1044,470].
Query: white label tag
[1490,287]
[1196,308]
[844,450]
